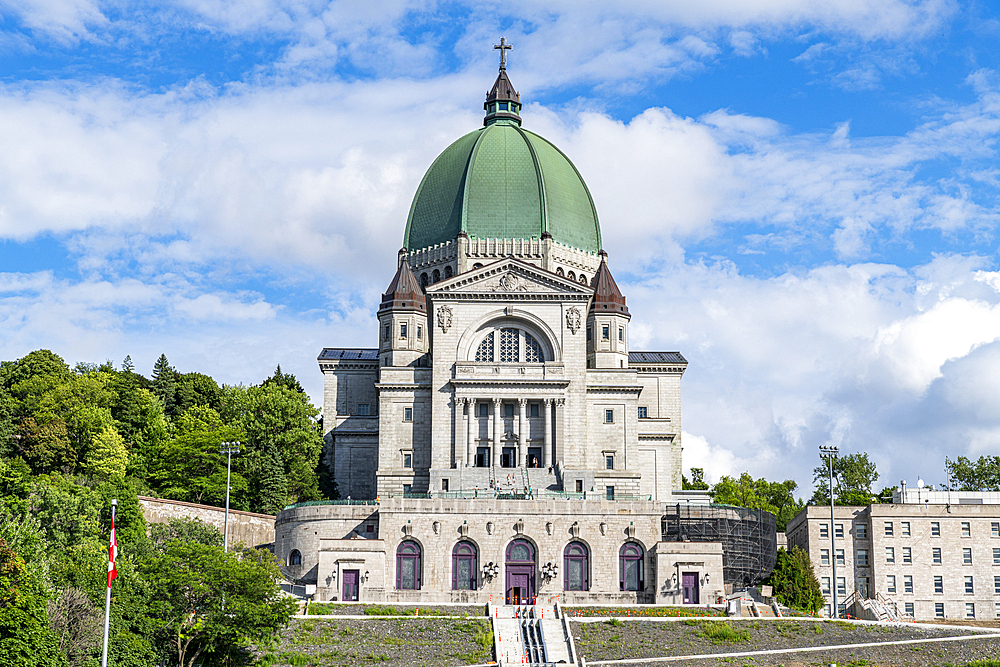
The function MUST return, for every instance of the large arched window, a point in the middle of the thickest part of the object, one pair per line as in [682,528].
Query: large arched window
[576,567]
[295,558]
[510,345]
[630,567]
[464,567]
[408,566]
[436,275]
[520,551]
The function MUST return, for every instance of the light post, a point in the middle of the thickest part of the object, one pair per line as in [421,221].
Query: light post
[830,452]
[228,448]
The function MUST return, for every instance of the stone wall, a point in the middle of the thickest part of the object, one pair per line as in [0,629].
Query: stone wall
[249,528]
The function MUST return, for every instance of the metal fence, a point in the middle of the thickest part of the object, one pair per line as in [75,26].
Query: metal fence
[749,537]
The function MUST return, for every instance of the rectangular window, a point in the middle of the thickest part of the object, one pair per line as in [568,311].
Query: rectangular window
[908,608]
[825,585]
[609,416]
[621,334]
[861,531]
[420,332]
[590,334]
[407,460]
[579,486]
[967,556]
[484,409]
[996,556]
[907,555]
[839,530]
[533,410]
[939,610]
[824,556]
[970,609]
[444,484]
[890,583]
[890,555]
[938,585]
[824,530]
[966,529]
[605,333]
[388,333]
[904,528]
[996,584]
[888,528]
[407,414]
[609,462]
[643,412]
[363,409]
[908,583]
[609,492]
[841,586]
[862,557]
[840,557]
[935,529]
[995,529]
[968,586]
[997,608]
[407,489]
[508,410]
[936,555]
[402,330]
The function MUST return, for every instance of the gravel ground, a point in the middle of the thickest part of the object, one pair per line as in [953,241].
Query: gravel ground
[392,642]
[640,639]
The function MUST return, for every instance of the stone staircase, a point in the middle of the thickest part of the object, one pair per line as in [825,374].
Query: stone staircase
[531,635]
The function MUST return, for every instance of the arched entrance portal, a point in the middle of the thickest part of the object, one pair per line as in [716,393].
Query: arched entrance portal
[520,572]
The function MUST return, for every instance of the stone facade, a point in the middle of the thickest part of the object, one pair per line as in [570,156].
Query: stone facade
[249,528]
[933,560]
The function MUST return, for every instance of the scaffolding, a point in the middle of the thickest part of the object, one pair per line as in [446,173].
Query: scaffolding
[748,537]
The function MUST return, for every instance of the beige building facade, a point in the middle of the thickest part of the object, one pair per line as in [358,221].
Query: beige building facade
[933,558]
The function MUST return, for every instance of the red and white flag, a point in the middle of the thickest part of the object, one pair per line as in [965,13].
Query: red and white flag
[112,554]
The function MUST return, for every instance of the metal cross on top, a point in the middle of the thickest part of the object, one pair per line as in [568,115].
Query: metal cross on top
[503,47]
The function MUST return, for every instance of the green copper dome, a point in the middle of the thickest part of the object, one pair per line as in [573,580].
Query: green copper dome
[502,181]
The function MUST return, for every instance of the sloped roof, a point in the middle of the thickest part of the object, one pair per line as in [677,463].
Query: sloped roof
[404,291]
[607,297]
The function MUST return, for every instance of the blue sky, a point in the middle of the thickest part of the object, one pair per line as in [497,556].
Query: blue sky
[801,197]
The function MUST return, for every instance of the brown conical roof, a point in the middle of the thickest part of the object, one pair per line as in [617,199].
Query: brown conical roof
[503,90]
[502,102]
[404,291]
[607,297]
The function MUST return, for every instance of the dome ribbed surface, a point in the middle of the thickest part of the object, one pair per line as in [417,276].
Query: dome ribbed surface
[502,181]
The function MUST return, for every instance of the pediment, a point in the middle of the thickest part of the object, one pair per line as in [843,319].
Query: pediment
[509,277]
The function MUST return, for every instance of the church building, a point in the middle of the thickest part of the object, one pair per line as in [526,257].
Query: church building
[500,440]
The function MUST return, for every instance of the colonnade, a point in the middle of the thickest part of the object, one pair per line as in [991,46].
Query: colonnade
[465,408]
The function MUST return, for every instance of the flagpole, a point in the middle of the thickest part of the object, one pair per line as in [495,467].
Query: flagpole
[107,600]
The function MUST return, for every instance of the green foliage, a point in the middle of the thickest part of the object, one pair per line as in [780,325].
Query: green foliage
[184,529]
[981,475]
[853,477]
[774,497]
[721,632]
[25,637]
[108,455]
[188,582]
[794,581]
[697,482]
[46,447]
[15,487]
[190,468]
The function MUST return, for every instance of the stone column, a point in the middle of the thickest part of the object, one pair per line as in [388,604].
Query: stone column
[497,431]
[522,452]
[557,441]
[473,434]
[458,458]
[547,449]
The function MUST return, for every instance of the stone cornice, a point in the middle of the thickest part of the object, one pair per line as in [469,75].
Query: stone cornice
[349,365]
[614,388]
[493,381]
[402,386]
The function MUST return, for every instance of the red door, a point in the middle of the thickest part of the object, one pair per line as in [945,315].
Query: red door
[350,586]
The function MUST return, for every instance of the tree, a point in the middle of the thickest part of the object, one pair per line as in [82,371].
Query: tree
[774,497]
[191,468]
[188,582]
[284,380]
[272,486]
[46,447]
[108,455]
[184,529]
[697,482]
[197,389]
[76,623]
[794,581]
[165,385]
[25,637]
[983,475]
[853,477]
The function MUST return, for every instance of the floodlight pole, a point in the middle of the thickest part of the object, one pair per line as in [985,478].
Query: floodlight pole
[228,448]
[831,453]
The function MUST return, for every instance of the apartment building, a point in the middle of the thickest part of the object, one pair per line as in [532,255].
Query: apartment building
[937,555]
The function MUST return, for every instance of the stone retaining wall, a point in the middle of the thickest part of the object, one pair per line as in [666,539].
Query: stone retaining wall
[249,528]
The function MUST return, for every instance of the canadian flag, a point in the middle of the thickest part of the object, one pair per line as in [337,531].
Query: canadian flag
[112,554]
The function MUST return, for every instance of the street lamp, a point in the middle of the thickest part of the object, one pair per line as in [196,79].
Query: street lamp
[830,452]
[228,448]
